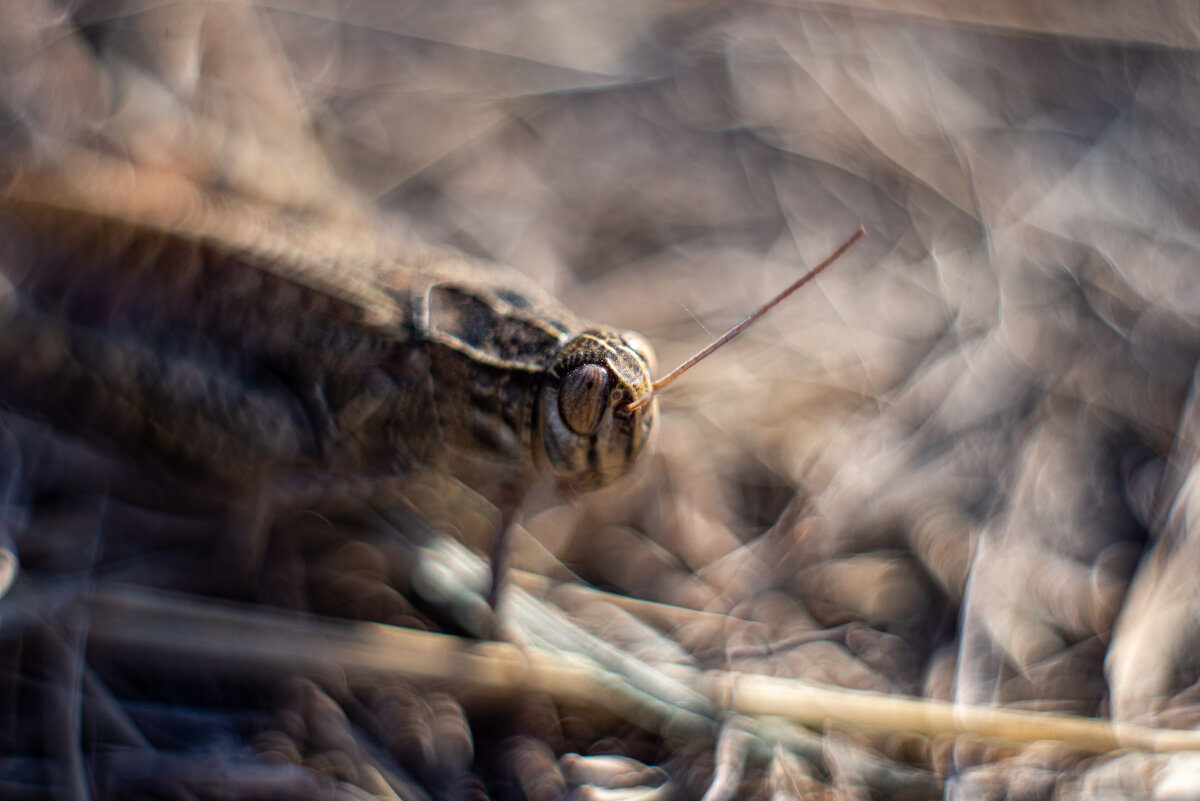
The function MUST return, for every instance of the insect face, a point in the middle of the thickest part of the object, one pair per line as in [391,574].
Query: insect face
[597,404]
[588,435]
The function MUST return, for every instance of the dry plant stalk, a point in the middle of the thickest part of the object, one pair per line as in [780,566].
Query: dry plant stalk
[238,639]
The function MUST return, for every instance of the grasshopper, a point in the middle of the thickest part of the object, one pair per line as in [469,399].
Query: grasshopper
[202,332]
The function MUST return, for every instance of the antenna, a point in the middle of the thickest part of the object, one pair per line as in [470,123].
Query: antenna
[744,324]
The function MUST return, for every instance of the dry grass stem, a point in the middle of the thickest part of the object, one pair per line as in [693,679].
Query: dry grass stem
[236,638]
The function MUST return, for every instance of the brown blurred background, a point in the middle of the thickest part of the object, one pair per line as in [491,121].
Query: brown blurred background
[959,466]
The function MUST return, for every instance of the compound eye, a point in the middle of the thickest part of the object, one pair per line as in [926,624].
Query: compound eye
[582,397]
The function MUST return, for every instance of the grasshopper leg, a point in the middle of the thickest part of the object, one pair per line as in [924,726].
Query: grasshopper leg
[511,495]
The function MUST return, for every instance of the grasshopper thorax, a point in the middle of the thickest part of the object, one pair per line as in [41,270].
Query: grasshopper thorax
[585,433]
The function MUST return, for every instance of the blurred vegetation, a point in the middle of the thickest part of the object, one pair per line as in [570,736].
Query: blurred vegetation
[957,467]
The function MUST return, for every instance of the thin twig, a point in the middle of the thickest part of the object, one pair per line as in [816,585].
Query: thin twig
[222,636]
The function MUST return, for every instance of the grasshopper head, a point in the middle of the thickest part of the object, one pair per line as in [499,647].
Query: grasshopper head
[597,404]
[585,433]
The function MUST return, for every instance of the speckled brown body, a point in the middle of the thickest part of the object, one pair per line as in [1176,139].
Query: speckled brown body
[236,346]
